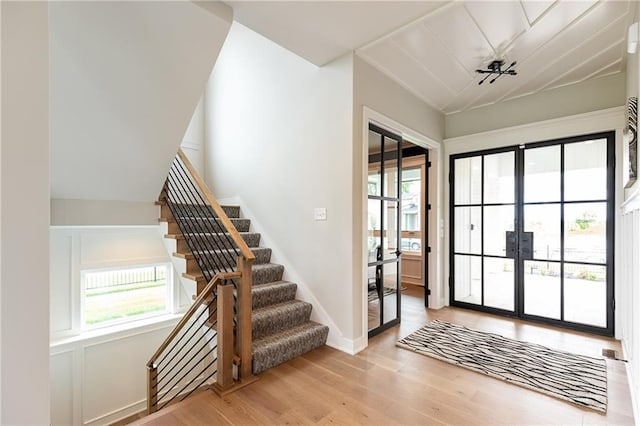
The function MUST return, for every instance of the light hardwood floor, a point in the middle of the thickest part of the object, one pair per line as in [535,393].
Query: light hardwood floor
[388,385]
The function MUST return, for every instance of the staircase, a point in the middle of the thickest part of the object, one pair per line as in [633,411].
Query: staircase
[281,325]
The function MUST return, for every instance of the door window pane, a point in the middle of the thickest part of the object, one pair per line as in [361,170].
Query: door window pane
[390,238]
[585,238]
[542,289]
[390,168]
[585,170]
[468,231]
[500,221]
[585,294]
[374,180]
[499,178]
[544,222]
[390,294]
[542,174]
[499,283]
[374,226]
[468,279]
[411,222]
[468,180]
[374,284]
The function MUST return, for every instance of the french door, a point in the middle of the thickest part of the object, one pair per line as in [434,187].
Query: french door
[383,225]
[532,231]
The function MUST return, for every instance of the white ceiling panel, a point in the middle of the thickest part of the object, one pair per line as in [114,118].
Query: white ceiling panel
[535,8]
[321,31]
[460,35]
[413,76]
[551,24]
[553,58]
[574,61]
[424,46]
[500,22]
[590,67]
[434,48]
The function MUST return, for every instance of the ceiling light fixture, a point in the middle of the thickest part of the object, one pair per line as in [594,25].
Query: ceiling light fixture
[495,67]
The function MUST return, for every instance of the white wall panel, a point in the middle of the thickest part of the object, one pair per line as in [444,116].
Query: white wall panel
[62,388]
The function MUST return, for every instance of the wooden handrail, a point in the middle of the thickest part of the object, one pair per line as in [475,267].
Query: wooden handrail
[191,311]
[235,235]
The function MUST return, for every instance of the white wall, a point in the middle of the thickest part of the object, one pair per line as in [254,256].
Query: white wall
[278,135]
[125,80]
[193,140]
[592,95]
[103,213]
[380,99]
[99,376]
[24,214]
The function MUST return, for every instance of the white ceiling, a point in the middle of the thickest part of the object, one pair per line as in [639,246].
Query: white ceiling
[433,48]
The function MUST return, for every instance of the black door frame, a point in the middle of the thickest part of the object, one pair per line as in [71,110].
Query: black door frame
[380,262]
[519,227]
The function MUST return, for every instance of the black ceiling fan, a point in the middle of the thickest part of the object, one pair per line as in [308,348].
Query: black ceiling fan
[495,67]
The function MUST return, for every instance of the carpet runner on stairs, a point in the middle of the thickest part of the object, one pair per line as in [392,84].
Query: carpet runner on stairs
[281,325]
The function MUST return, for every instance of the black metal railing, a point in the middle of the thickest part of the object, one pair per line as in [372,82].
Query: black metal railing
[207,239]
[216,330]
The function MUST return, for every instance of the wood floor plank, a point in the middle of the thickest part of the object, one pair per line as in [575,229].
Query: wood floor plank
[387,385]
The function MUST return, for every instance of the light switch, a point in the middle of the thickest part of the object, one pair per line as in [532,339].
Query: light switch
[320,213]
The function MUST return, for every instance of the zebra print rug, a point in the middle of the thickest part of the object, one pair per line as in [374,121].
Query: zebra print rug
[579,379]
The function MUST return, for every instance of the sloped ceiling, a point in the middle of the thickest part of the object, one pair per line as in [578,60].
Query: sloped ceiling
[433,48]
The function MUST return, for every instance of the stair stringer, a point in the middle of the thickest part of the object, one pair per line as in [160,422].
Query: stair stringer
[336,338]
[179,264]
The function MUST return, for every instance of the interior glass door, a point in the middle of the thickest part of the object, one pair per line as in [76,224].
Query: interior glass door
[383,225]
[532,231]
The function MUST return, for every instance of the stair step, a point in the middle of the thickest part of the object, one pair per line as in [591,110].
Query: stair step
[276,318]
[206,223]
[201,210]
[262,274]
[272,293]
[262,254]
[277,348]
[210,240]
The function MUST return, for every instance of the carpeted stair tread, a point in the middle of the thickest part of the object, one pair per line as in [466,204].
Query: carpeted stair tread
[210,240]
[199,210]
[276,318]
[273,293]
[262,273]
[215,224]
[262,254]
[277,348]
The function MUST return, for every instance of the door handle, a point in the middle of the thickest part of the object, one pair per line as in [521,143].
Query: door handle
[526,245]
[511,244]
[398,253]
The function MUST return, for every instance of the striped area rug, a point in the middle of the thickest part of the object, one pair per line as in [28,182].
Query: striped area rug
[578,379]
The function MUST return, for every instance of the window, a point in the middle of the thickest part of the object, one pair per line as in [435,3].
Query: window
[114,296]
[411,202]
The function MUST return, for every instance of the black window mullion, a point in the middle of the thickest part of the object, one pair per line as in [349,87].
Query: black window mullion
[562,227]
[482,230]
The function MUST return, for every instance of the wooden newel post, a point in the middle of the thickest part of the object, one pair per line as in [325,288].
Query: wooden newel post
[244,339]
[225,337]
[152,389]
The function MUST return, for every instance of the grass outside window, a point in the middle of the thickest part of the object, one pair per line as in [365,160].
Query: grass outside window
[116,296]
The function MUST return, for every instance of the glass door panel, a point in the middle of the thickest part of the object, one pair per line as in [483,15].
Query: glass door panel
[543,220]
[585,170]
[499,280]
[383,230]
[585,291]
[468,279]
[542,289]
[542,174]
